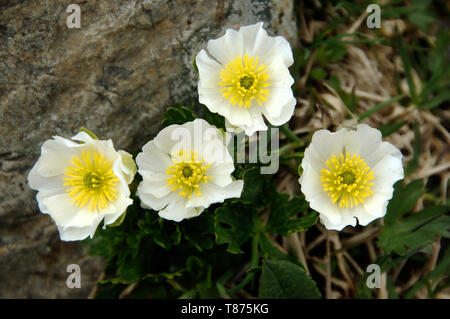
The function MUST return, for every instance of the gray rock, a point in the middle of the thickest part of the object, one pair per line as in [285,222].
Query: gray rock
[115,75]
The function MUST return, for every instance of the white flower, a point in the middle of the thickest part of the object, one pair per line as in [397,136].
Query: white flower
[348,176]
[186,168]
[244,75]
[80,182]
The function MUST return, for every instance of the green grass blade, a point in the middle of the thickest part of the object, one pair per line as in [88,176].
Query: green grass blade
[379,106]
[407,67]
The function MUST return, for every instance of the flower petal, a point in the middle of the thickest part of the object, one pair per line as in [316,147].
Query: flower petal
[375,206]
[256,124]
[64,213]
[279,75]
[212,193]
[46,185]
[310,181]
[258,43]
[120,206]
[221,173]
[208,70]
[74,233]
[323,145]
[386,172]
[177,211]
[152,159]
[150,201]
[155,184]
[55,156]
[278,113]
[227,47]
[127,166]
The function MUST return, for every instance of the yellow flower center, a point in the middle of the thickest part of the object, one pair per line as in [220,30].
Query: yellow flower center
[91,179]
[187,172]
[243,80]
[347,179]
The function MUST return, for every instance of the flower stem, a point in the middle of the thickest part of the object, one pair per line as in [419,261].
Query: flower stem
[293,155]
[254,261]
[289,147]
[255,251]
[295,141]
[328,267]
[289,133]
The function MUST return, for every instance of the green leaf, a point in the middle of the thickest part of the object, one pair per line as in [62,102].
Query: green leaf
[422,19]
[318,73]
[442,269]
[118,221]
[281,279]
[106,244]
[214,119]
[199,231]
[156,277]
[386,263]
[168,235]
[416,230]
[177,115]
[362,290]
[109,291]
[403,200]
[88,132]
[300,169]
[390,285]
[164,275]
[132,262]
[196,267]
[270,251]
[164,233]
[390,128]
[234,225]
[194,64]
[253,184]
[280,221]
[331,51]
[336,51]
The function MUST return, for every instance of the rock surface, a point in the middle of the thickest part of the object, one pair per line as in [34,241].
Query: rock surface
[115,75]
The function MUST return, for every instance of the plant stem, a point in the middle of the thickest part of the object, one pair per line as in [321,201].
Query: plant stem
[292,155]
[254,261]
[328,267]
[289,147]
[289,134]
[255,252]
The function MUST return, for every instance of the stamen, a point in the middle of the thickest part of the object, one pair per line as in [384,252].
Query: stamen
[347,180]
[187,173]
[91,180]
[244,81]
